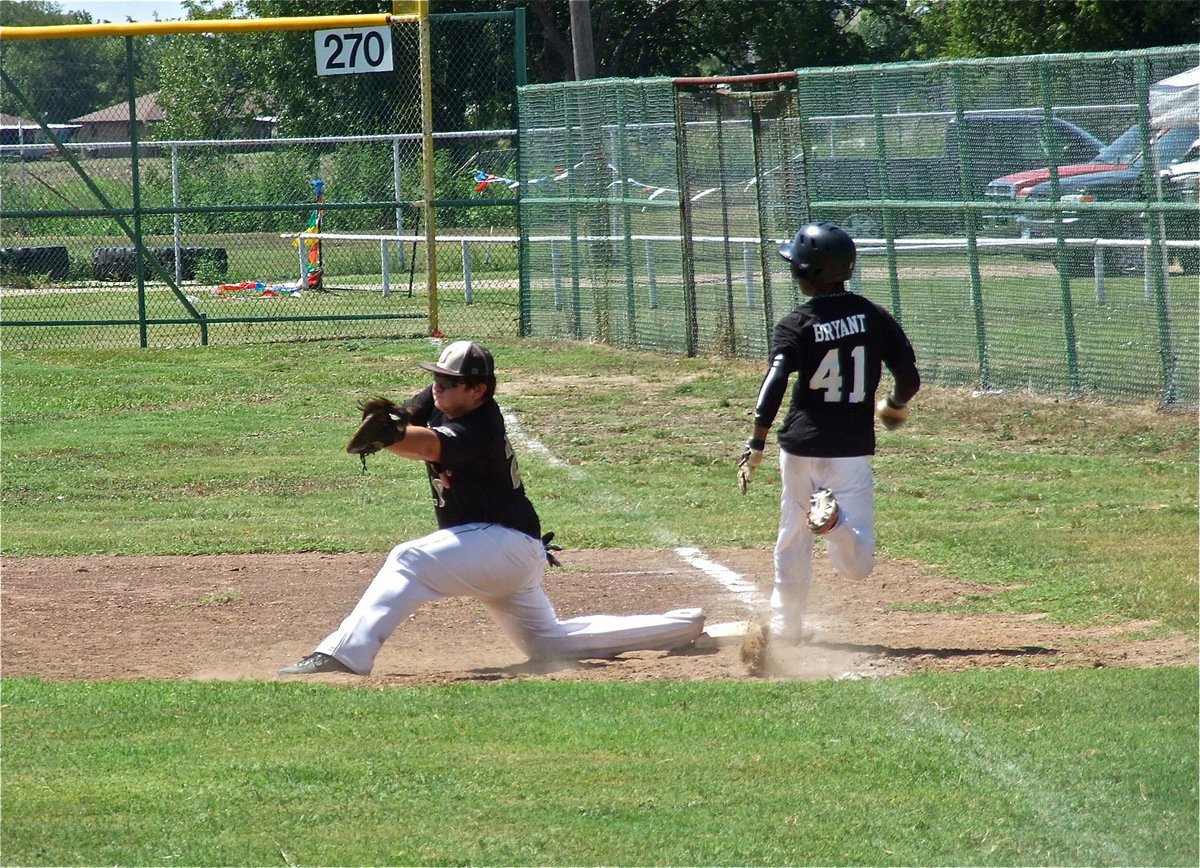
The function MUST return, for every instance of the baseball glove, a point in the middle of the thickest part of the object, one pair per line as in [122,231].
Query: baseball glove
[383,423]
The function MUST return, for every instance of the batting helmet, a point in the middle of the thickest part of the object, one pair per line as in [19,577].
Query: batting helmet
[821,253]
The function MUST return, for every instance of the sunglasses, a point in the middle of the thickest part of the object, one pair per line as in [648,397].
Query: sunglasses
[448,382]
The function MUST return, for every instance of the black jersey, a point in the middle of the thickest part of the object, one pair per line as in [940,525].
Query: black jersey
[477,477]
[836,344]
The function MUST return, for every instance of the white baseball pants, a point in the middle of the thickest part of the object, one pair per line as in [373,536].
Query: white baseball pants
[503,569]
[851,544]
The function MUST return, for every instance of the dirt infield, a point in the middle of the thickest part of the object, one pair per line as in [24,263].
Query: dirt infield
[244,616]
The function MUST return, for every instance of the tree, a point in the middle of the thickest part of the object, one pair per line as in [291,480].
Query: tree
[66,78]
[1001,28]
[212,83]
[636,38]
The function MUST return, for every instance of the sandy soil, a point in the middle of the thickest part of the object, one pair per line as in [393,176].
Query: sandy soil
[244,616]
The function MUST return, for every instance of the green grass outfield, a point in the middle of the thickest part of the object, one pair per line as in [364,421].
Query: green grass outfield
[1085,513]
[985,768]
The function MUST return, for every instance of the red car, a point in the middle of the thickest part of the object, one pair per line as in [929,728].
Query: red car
[1015,187]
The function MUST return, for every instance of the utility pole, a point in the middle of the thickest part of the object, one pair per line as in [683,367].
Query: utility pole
[583,50]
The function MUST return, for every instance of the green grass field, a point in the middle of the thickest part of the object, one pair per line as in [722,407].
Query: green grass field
[1085,513]
[1118,344]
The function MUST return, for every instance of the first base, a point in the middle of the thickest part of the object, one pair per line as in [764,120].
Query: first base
[721,635]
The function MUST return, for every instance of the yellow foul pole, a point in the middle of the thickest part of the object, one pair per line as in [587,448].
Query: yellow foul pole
[215,25]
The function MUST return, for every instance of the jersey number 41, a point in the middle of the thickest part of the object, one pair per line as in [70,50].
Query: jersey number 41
[828,376]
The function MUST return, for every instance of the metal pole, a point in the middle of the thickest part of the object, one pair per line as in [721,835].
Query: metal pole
[651,277]
[621,160]
[889,223]
[731,339]
[1064,281]
[964,180]
[139,245]
[398,186]
[176,219]
[756,136]
[427,158]
[524,302]
[466,266]
[1155,252]
[385,260]
[748,269]
[556,273]
[690,321]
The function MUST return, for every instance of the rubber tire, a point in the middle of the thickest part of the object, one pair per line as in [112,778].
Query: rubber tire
[53,261]
[120,263]
[113,263]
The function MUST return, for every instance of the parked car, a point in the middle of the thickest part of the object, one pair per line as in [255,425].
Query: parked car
[996,142]
[1015,187]
[1124,182]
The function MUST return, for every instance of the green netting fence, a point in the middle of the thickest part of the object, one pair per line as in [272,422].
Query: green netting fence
[1023,217]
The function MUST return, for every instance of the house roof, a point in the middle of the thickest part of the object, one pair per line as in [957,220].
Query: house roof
[146,106]
[17,122]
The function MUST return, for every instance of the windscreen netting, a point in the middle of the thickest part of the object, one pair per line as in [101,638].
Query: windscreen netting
[600,213]
[1031,221]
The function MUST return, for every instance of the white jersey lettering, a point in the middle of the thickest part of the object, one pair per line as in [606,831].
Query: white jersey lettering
[840,328]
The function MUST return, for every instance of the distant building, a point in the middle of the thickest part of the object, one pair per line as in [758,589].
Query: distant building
[112,124]
[21,138]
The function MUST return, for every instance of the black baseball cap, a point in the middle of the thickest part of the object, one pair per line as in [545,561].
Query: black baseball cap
[463,359]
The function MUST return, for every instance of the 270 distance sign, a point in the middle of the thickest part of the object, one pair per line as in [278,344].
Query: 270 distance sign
[354,50]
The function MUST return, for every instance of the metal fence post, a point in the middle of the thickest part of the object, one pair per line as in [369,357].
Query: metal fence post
[398,186]
[385,264]
[1147,277]
[1156,289]
[139,244]
[1064,281]
[176,219]
[468,292]
[748,267]
[651,276]
[556,273]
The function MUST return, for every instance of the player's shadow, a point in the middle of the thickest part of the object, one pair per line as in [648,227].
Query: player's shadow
[550,667]
[533,668]
[940,653]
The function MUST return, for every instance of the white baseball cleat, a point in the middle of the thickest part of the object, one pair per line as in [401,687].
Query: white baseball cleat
[787,632]
[823,514]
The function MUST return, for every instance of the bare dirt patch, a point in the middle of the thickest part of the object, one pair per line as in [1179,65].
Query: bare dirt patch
[216,617]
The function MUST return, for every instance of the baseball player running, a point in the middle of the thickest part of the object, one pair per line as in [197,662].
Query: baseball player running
[836,343]
[488,544]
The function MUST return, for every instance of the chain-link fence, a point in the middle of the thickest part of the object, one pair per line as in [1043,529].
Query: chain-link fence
[272,203]
[1031,221]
